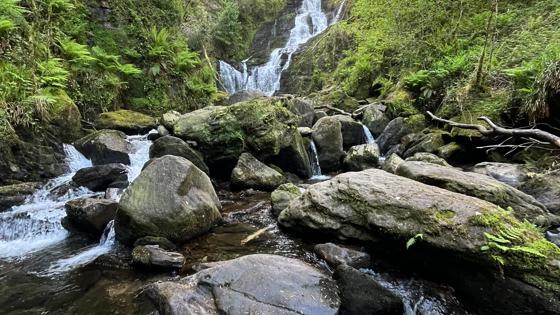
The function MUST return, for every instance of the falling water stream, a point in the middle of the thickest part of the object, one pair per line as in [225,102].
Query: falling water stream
[310,22]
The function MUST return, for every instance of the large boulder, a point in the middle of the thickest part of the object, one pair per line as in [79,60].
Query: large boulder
[127,121]
[429,143]
[252,173]
[169,145]
[546,189]
[89,215]
[254,284]
[303,109]
[262,127]
[391,164]
[281,197]
[429,158]
[375,119]
[15,195]
[398,128]
[382,208]
[101,177]
[511,174]
[105,146]
[362,157]
[327,134]
[361,294]
[352,131]
[171,198]
[169,119]
[243,96]
[476,185]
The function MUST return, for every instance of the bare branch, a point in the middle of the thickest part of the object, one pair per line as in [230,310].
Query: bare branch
[334,109]
[537,135]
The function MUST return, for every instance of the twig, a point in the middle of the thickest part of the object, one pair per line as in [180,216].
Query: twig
[334,109]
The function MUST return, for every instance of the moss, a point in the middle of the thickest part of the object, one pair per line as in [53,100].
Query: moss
[520,247]
[125,120]
[401,104]
[444,215]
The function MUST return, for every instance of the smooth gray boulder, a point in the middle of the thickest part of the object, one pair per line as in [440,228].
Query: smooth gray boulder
[89,215]
[361,294]
[327,134]
[251,173]
[169,145]
[282,196]
[336,255]
[101,177]
[479,186]
[171,198]
[361,157]
[253,284]
[511,174]
[155,256]
[104,147]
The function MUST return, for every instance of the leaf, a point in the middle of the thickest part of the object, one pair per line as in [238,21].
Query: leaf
[413,240]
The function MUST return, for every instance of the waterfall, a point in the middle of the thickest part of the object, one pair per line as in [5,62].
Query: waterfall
[36,225]
[368,137]
[339,12]
[316,173]
[310,21]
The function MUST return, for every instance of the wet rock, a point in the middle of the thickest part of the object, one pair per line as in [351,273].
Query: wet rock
[262,127]
[511,174]
[169,119]
[336,255]
[162,242]
[282,197]
[327,134]
[171,198]
[546,189]
[251,173]
[398,128]
[15,195]
[105,146]
[392,163]
[362,157]
[243,96]
[89,215]
[452,152]
[254,284]
[101,177]
[477,185]
[428,143]
[169,145]
[303,109]
[352,131]
[375,119]
[428,158]
[154,256]
[361,294]
[127,121]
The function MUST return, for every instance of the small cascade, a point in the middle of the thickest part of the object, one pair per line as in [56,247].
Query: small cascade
[104,246]
[339,12]
[36,224]
[316,173]
[310,21]
[368,137]
[139,155]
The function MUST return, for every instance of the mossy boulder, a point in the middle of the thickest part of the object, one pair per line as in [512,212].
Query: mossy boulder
[397,129]
[391,164]
[429,158]
[327,134]
[262,127]
[65,117]
[105,146]
[375,119]
[170,145]
[171,198]
[282,196]
[429,143]
[362,157]
[366,206]
[352,131]
[127,121]
[477,185]
[251,173]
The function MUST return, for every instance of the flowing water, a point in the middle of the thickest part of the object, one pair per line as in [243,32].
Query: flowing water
[316,173]
[368,136]
[310,21]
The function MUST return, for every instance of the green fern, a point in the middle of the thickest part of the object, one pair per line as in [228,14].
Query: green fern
[6,25]
[77,53]
[52,73]
[413,240]
[60,5]
[160,42]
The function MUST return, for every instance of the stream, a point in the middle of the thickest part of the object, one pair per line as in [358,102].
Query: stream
[46,270]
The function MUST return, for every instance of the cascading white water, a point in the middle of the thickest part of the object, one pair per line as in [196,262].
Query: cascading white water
[36,224]
[310,21]
[316,173]
[368,137]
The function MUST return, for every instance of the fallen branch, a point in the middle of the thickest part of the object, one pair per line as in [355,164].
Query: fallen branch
[334,109]
[255,235]
[535,134]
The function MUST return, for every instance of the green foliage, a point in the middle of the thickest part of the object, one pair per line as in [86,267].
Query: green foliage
[75,52]
[546,89]
[52,73]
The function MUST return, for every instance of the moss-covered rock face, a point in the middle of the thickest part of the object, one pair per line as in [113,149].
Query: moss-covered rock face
[366,206]
[262,127]
[127,121]
[169,145]
[281,197]
[65,117]
[477,185]
[428,158]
